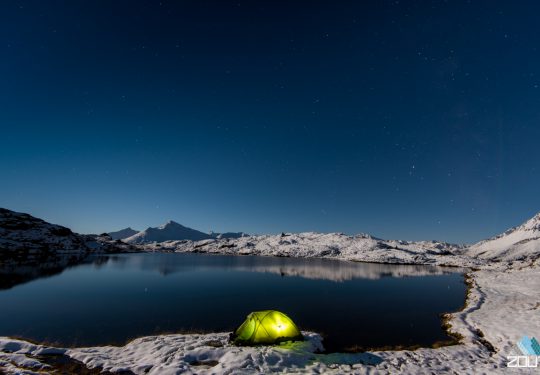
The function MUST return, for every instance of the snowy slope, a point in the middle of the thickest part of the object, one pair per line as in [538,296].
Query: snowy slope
[362,248]
[123,233]
[518,243]
[167,232]
[25,237]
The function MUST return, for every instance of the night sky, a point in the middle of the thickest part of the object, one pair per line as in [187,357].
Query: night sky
[409,120]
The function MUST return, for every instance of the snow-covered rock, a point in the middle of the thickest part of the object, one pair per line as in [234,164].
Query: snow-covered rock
[228,235]
[361,248]
[518,243]
[123,233]
[31,247]
[167,232]
[26,238]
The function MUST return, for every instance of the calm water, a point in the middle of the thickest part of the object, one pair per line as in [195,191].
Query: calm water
[126,296]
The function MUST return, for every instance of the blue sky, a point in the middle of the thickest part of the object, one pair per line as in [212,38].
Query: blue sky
[410,120]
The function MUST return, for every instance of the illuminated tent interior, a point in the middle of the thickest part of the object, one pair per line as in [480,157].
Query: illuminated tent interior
[266,327]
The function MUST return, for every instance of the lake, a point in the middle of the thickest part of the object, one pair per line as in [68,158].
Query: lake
[352,305]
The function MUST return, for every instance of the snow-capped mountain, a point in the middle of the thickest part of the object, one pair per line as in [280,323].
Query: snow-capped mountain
[518,243]
[123,233]
[170,231]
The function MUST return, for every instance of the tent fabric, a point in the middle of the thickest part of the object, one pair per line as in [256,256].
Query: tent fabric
[266,327]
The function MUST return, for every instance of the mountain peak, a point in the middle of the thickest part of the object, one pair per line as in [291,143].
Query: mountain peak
[516,241]
[531,225]
[171,224]
[535,218]
[170,231]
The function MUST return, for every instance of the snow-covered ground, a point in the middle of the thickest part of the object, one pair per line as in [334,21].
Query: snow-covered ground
[503,304]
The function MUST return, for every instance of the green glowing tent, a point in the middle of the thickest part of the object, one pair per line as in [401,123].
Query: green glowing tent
[266,327]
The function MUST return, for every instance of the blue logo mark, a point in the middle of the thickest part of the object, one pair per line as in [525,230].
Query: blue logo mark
[529,346]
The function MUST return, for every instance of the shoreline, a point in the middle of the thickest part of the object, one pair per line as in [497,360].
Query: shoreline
[488,327]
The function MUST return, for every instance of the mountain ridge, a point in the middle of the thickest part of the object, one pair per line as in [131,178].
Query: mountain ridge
[174,231]
[513,244]
[171,230]
[123,233]
[22,233]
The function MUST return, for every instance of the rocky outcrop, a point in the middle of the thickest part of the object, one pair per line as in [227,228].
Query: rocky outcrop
[31,247]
